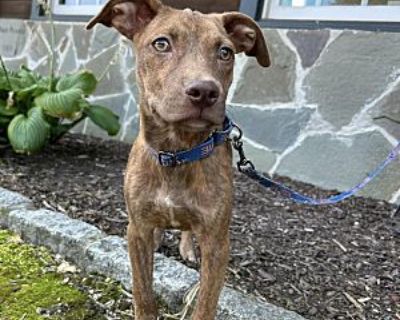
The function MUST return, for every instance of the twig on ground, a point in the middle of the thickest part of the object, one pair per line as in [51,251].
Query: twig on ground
[342,247]
[363,300]
[353,301]
[126,293]
[295,289]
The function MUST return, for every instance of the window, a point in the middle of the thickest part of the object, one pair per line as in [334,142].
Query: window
[77,7]
[92,7]
[333,10]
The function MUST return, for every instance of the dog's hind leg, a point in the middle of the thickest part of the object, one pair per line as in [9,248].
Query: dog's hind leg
[186,247]
[158,238]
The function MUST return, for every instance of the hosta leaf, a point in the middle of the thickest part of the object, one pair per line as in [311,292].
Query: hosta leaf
[7,111]
[30,92]
[15,82]
[104,118]
[28,134]
[64,104]
[27,77]
[12,77]
[84,80]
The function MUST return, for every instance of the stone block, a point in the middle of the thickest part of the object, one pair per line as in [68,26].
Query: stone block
[44,66]
[131,129]
[276,129]
[38,48]
[388,107]
[342,162]
[81,38]
[354,70]
[68,63]
[309,44]
[10,200]
[99,63]
[102,39]
[132,84]
[14,35]
[235,305]
[172,280]
[259,85]
[62,31]
[127,54]
[54,230]
[80,127]
[107,65]
[130,123]
[113,82]
[16,63]
[261,158]
[108,255]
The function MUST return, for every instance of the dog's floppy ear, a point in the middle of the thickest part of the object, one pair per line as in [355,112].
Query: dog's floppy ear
[127,16]
[247,36]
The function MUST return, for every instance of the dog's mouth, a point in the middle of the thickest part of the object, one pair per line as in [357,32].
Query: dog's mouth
[202,120]
[193,119]
[197,125]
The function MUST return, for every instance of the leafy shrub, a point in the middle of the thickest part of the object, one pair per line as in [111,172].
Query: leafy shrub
[36,110]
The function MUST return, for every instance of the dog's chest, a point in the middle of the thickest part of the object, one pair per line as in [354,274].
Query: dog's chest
[175,210]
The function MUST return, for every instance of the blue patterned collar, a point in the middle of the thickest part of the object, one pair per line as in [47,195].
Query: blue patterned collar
[199,152]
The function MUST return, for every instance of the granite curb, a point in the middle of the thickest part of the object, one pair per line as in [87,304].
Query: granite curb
[94,251]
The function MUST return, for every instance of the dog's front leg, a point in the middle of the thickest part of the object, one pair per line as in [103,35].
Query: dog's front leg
[140,243]
[214,248]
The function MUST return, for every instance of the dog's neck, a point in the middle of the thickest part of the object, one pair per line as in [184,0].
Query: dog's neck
[162,136]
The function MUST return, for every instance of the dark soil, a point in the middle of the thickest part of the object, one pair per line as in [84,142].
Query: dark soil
[331,262]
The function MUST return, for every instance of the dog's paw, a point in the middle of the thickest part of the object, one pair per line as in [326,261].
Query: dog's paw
[186,248]
[188,254]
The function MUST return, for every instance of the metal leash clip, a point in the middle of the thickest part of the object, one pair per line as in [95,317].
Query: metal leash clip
[237,144]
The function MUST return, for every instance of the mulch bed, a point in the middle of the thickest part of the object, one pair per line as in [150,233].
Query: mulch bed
[331,262]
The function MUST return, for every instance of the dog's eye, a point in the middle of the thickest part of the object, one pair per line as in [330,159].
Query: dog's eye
[226,53]
[161,45]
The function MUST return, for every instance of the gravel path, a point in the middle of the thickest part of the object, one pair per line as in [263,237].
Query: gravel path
[333,262]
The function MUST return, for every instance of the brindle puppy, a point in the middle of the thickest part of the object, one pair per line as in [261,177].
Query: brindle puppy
[185,65]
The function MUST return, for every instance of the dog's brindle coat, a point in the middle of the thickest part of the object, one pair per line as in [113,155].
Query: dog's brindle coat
[185,65]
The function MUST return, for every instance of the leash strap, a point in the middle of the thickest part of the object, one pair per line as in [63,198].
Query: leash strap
[245,166]
[199,152]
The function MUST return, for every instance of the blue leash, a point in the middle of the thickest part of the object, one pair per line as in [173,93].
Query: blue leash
[219,137]
[247,167]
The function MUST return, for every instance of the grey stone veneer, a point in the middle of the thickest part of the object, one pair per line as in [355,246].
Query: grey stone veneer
[310,116]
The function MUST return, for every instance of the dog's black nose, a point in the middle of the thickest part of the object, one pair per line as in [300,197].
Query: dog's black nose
[203,93]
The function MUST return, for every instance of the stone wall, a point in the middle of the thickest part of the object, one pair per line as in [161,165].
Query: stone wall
[310,116]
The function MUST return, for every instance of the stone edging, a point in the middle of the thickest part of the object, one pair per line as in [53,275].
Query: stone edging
[94,251]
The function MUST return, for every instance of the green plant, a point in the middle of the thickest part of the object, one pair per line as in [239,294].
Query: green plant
[35,110]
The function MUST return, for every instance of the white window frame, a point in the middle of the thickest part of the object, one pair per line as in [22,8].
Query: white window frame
[272,10]
[76,10]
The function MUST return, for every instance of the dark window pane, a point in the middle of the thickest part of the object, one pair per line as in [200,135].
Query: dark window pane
[341,2]
[379,3]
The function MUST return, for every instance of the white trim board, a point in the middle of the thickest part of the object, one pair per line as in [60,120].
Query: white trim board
[273,10]
[76,9]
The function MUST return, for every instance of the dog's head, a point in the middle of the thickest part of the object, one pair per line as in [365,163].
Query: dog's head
[185,58]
